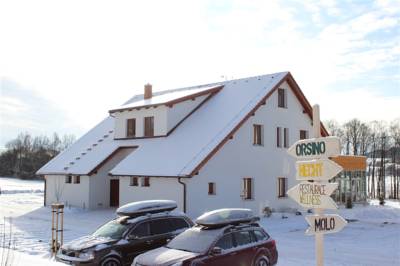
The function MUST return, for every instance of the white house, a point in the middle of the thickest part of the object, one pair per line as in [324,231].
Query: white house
[206,147]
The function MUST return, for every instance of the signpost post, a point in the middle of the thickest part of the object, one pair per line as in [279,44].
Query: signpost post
[315,170]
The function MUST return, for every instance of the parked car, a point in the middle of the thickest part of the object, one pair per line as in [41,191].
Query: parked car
[139,227]
[222,237]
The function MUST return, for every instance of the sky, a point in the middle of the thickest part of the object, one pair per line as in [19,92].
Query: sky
[64,64]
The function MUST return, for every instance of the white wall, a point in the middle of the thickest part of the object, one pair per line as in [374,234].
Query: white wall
[160,188]
[100,182]
[160,121]
[165,118]
[238,158]
[71,194]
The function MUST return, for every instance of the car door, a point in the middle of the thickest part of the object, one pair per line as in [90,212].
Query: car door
[179,225]
[245,247]
[137,241]
[227,256]
[162,231]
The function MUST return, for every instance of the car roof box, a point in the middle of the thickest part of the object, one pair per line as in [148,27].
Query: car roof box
[224,217]
[147,206]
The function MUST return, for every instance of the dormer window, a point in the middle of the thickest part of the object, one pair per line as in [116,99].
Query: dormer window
[282,99]
[130,128]
[149,126]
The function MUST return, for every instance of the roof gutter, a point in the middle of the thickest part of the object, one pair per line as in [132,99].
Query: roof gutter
[184,193]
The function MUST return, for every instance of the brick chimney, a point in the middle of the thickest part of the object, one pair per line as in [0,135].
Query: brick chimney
[148,91]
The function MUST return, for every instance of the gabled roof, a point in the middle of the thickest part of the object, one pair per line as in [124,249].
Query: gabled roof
[192,144]
[169,99]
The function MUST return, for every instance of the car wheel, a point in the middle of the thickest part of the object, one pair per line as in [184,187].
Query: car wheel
[111,261]
[261,261]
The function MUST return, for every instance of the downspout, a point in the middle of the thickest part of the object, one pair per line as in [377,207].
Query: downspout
[184,193]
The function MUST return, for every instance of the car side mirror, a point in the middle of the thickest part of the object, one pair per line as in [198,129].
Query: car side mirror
[216,251]
[133,237]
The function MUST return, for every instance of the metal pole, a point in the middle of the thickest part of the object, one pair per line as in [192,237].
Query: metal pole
[62,226]
[52,229]
[56,244]
[319,238]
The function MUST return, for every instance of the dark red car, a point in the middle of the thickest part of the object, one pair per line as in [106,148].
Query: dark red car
[236,242]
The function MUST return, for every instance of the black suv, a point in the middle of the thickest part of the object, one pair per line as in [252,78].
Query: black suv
[141,226]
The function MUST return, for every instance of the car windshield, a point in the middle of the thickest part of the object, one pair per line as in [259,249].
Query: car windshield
[113,229]
[194,240]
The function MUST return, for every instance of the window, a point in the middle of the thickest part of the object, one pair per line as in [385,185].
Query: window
[134,181]
[211,188]
[225,242]
[257,134]
[303,134]
[141,230]
[68,179]
[282,98]
[282,187]
[178,223]
[160,226]
[260,235]
[242,238]
[131,127]
[149,126]
[278,137]
[247,188]
[77,179]
[145,181]
[286,137]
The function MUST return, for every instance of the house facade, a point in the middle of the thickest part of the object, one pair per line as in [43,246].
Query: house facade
[206,147]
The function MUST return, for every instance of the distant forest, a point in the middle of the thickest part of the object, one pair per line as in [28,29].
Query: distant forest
[25,154]
[380,142]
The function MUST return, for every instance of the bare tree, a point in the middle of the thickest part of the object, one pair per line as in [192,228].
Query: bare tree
[335,129]
[352,132]
[395,137]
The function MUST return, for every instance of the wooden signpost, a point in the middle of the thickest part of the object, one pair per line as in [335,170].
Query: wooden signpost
[314,195]
[315,170]
[325,224]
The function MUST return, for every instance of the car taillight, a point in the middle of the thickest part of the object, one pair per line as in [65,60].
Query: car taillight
[273,242]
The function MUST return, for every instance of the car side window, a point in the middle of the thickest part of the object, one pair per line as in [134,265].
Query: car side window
[242,238]
[178,223]
[260,235]
[225,242]
[160,226]
[141,230]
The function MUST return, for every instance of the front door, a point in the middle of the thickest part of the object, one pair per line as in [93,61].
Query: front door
[114,192]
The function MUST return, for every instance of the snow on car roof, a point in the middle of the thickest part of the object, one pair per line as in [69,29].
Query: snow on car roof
[227,216]
[146,206]
[184,149]
[166,98]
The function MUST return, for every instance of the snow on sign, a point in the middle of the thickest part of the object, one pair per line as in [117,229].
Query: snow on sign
[315,148]
[314,195]
[325,224]
[317,170]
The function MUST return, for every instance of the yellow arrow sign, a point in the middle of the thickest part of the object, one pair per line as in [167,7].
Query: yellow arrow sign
[317,170]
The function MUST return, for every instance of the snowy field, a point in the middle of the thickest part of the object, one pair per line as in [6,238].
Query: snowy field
[373,238]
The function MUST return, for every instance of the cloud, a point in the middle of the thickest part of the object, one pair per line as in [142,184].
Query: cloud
[23,110]
[86,57]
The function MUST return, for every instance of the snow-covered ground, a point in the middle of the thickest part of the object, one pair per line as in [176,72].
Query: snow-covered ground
[373,238]
[13,185]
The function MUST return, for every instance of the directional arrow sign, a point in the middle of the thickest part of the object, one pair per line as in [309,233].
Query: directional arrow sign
[325,224]
[315,148]
[317,170]
[314,195]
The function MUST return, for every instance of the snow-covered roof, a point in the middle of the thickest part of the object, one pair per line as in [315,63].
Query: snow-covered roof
[181,152]
[187,148]
[168,98]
